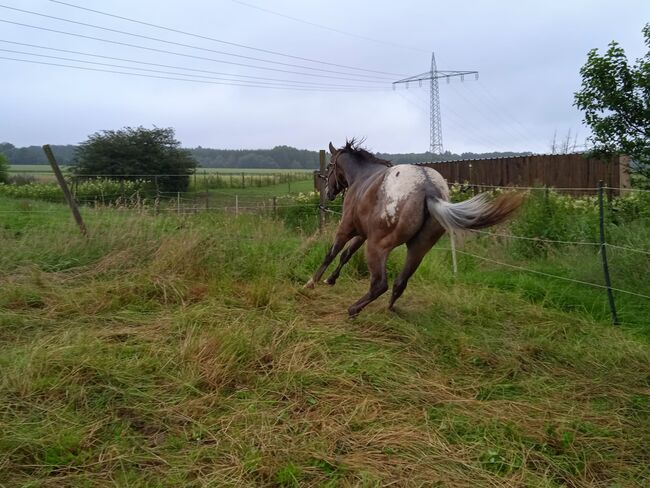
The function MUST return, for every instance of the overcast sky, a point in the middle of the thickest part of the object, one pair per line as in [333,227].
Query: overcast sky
[528,54]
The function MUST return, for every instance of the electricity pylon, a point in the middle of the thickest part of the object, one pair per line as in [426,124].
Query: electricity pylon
[433,75]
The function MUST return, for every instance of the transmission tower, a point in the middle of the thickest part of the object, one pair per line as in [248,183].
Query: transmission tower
[433,75]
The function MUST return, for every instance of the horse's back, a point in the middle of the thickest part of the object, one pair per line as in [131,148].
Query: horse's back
[406,182]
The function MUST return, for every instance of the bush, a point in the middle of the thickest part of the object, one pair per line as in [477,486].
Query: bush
[20,180]
[136,153]
[302,212]
[4,169]
[549,215]
[102,190]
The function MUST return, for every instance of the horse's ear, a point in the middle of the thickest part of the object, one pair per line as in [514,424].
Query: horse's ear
[333,150]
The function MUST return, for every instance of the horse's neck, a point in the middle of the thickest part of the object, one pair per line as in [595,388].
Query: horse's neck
[358,173]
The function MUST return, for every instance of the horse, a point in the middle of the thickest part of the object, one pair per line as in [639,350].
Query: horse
[388,205]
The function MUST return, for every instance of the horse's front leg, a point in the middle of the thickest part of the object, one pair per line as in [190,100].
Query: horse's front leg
[353,247]
[341,238]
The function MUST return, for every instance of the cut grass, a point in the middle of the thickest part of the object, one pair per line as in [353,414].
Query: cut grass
[183,351]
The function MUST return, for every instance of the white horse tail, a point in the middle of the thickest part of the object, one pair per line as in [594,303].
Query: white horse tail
[476,213]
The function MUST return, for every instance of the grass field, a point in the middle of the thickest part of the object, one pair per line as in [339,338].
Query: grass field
[183,351]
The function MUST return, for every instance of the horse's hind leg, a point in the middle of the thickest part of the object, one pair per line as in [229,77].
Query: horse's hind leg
[353,247]
[417,248]
[377,257]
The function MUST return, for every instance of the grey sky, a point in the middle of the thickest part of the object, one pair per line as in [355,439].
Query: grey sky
[528,54]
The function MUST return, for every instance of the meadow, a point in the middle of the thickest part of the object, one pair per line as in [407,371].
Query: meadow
[183,350]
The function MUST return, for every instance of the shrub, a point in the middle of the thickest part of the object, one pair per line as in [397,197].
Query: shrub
[548,215]
[136,153]
[4,169]
[103,190]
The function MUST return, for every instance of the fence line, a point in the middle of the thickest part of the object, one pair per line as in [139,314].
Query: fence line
[521,268]
[625,248]
[537,239]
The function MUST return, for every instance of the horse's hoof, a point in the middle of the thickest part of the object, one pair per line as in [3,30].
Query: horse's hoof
[310,284]
[329,281]
[353,312]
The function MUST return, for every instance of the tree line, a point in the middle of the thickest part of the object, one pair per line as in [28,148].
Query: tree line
[280,157]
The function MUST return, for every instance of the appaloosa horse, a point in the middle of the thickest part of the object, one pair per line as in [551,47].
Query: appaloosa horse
[388,206]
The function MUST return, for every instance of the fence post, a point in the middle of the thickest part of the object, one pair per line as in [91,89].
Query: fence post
[66,191]
[454,262]
[178,202]
[207,190]
[157,202]
[243,180]
[274,207]
[603,253]
[323,199]
[236,205]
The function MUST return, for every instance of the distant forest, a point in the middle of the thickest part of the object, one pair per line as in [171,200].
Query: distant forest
[280,157]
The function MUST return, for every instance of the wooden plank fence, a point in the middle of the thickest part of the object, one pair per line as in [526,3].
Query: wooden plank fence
[551,170]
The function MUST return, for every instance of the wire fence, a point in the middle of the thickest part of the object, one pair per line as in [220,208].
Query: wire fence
[256,201]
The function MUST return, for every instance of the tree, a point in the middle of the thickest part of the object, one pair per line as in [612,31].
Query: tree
[4,169]
[615,98]
[136,153]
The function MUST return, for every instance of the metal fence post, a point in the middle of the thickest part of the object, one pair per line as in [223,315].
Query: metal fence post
[603,253]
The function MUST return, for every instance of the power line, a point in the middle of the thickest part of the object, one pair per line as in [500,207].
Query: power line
[332,29]
[164,51]
[462,126]
[489,94]
[433,75]
[489,115]
[315,85]
[249,85]
[174,43]
[199,36]
[497,110]
[81,53]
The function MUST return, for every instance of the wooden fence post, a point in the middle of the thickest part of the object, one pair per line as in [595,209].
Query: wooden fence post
[237,204]
[66,191]
[603,253]
[323,197]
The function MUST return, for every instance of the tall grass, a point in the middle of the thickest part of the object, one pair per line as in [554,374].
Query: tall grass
[182,350]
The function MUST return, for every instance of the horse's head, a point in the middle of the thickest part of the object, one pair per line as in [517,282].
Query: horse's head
[335,178]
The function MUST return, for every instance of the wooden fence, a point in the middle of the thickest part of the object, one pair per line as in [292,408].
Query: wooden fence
[553,170]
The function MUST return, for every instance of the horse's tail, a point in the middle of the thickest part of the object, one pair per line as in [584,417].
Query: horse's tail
[476,213]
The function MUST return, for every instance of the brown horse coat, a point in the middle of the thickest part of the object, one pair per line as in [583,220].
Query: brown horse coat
[388,206]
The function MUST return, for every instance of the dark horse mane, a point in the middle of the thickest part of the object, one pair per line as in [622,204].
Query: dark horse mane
[353,147]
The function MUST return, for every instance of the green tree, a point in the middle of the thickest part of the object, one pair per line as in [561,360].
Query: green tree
[615,98]
[133,153]
[4,169]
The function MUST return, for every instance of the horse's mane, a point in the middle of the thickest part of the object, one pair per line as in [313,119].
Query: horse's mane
[354,148]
